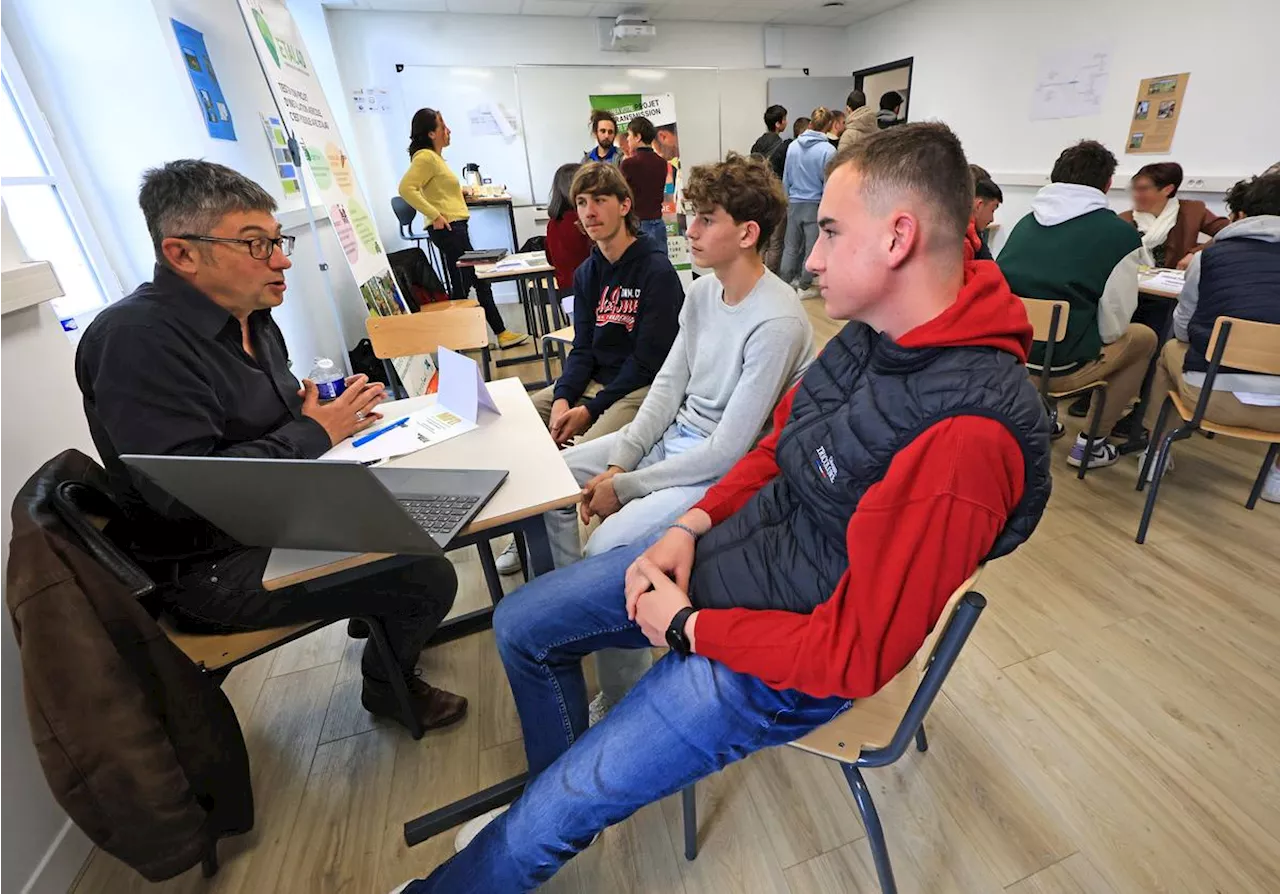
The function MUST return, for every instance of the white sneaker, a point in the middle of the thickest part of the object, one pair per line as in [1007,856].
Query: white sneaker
[509,561]
[600,706]
[1151,475]
[1104,453]
[474,827]
[1271,487]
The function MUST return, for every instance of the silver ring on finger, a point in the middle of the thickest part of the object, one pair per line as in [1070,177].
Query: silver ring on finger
[359,415]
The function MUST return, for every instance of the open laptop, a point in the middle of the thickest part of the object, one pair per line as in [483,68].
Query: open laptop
[321,504]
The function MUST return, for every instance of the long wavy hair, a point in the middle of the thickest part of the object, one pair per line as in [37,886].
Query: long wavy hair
[424,121]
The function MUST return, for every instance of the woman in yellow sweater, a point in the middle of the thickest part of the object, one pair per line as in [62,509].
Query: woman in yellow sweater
[432,188]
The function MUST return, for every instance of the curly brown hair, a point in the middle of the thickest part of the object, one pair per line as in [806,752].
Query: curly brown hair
[745,188]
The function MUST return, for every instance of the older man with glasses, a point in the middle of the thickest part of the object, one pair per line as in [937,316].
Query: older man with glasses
[193,364]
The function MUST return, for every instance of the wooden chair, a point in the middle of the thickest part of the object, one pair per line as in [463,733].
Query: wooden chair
[1234,343]
[559,339]
[876,731]
[458,327]
[1049,325]
[88,512]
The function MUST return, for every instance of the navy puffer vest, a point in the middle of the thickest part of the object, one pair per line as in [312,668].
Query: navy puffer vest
[1238,278]
[864,399]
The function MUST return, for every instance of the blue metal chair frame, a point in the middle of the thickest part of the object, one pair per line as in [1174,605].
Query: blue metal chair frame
[968,608]
[1161,456]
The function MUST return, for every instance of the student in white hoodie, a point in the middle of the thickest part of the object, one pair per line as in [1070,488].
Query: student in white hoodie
[1238,275]
[1072,247]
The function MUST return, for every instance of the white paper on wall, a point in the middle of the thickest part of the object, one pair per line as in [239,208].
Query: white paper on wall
[1071,83]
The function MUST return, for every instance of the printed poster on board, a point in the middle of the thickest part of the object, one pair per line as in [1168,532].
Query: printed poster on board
[213,105]
[1155,114]
[308,117]
[660,109]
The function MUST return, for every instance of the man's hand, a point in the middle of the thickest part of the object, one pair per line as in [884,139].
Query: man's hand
[571,423]
[351,412]
[586,509]
[604,499]
[672,556]
[655,609]
[1185,262]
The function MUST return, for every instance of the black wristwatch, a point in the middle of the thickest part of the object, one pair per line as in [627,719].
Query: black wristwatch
[676,639]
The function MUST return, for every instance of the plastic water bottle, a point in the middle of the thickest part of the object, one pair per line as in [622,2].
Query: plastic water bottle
[328,378]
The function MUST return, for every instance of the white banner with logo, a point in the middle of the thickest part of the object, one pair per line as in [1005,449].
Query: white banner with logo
[307,116]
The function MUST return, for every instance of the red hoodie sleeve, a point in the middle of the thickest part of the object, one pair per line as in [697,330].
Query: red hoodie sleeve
[916,536]
[756,469]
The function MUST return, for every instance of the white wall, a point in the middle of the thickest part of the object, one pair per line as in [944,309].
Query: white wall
[976,62]
[368,45]
[115,114]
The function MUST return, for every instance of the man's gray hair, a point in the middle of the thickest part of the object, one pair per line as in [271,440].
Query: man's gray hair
[191,196]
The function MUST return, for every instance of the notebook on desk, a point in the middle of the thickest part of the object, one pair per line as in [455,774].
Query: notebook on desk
[482,256]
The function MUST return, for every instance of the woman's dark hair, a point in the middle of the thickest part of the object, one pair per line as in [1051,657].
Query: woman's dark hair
[424,121]
[1087,163]
[643,128]
[560,203]
[1162,174]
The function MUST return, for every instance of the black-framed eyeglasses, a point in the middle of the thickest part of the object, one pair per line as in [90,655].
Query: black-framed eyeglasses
[260,248]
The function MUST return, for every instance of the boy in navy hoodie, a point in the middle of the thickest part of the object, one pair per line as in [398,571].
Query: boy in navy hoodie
[624,319]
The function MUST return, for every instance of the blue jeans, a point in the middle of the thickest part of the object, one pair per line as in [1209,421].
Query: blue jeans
[617,670]
[685,719]
[656,230]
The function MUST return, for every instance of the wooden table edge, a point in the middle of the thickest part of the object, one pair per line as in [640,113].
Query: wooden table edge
[315,572]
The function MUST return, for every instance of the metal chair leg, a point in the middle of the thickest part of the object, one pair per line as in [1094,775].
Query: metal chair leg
[689,801]
[490,567]
[209,865]
[522,550]
[395,675]
[1156,434]
[1258,482]
[875,832]
[1099,395]
[922,741]
[1162,461]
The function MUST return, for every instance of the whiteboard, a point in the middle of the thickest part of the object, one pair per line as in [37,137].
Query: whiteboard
[471,100]
[718,110]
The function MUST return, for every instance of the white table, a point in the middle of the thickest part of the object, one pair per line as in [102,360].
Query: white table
[517,441]
[539,273]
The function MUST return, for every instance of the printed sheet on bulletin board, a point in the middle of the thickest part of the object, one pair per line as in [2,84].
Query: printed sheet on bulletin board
[1155,114]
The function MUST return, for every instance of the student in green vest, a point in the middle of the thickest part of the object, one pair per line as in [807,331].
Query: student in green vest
[1072,247]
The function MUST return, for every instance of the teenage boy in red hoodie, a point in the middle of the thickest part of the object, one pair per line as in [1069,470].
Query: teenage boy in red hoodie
[912,450]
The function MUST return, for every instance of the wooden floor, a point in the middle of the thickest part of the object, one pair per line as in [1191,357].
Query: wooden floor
[1113,727]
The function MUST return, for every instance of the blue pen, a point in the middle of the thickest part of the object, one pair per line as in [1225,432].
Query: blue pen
[360,442]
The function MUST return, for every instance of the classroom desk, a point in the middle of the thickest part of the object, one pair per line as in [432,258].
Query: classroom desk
[541,275]
[539,481]
[517,441]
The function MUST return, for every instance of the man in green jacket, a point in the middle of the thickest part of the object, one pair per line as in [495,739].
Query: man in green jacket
[1072,247]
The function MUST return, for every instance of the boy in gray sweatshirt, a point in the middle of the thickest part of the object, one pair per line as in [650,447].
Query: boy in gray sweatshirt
[744,340]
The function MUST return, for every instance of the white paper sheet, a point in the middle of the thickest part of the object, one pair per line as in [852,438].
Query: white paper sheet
[428,426]
[1071,83]
[1165,280]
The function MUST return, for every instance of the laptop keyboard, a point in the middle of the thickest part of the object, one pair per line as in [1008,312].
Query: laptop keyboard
[439,514]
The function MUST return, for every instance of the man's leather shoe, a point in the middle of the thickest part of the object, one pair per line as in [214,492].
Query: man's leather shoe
[435,708]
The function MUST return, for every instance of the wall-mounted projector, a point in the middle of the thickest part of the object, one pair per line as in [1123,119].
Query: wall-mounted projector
[631,34]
